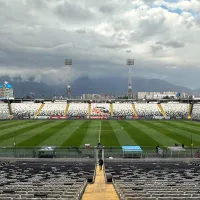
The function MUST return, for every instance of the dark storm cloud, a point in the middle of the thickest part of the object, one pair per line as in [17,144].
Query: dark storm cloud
[172,44]
[36,36]
[155,48]
[73,10]
[114,46]
[107,9]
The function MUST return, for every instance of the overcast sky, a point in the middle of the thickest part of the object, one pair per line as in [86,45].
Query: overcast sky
[162,36]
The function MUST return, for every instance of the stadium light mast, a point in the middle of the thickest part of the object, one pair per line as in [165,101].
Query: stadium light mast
[68,63]
[130,63]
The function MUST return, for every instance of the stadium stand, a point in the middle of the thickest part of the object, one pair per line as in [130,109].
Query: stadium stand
[174,110]
[147,109]
[196,112]
[100,109]
[78,109]
[51,180]
[21,110]
[155,180]
[4,111]
[55,109]
[123,109]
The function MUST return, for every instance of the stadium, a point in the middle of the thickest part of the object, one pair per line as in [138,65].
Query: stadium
[54,146]
[122,123]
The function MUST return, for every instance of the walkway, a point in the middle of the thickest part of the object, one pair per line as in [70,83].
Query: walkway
[100,190]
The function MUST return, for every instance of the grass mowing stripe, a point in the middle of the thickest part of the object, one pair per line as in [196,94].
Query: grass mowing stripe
[92,136]
[140,137]
[14,124]
[29,133]
[181,132]
[57,139]
[181,126]
[7,121]
[77,137]
[38,138]
[187,134]
[122,136]
[158,126]
[20,131]
[156,135]
[193,123]
[107,136]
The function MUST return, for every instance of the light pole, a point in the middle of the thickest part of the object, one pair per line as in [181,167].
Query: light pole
[130,63]
[68,63]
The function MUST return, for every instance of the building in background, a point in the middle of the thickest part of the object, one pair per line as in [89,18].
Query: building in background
[6,91]
[160,95]
[97,96]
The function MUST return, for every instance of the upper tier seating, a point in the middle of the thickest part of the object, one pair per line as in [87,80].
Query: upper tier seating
[147,109]
[155,180]
[123,109]
[78,109]
[100,109]
[28,180]
[55,109]
[176,109]
[4,111]
[196,112]
[24,109]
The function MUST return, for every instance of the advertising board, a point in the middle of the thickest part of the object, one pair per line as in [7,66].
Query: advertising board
[42,117]
[58,117]
[98,117]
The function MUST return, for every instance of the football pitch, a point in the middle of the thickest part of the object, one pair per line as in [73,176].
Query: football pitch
[145,133]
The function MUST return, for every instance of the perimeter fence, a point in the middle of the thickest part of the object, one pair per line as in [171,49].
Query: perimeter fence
[108,152]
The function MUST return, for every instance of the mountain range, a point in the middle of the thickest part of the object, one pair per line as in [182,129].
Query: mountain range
[82,85]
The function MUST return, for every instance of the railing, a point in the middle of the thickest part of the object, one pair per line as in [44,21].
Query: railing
[114,152]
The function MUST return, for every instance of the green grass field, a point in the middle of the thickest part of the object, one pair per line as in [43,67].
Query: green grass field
[112,133]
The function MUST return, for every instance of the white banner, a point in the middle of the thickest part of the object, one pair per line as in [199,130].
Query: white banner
[42,117]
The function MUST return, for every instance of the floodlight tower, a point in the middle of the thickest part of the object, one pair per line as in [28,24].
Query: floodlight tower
[130,63]
[68,63]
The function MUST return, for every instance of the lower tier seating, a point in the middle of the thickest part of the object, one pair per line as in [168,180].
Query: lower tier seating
[20,180]
[78,109]
[21,110]
[4,111]
[196,112]
[123,109]
[147,109]
[174,110]
[155,180]
[55,109]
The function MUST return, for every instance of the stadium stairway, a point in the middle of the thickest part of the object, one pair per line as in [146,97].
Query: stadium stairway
[89,110]
[38,111]
[66,109]
[135,111]
[100,190]
[190,110]
[111,109]
[10,108]
[162,110]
